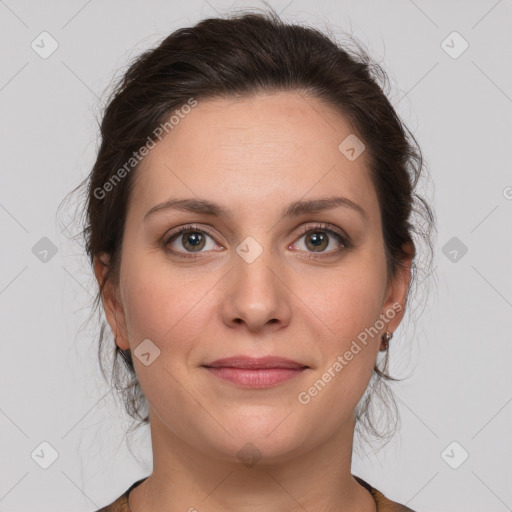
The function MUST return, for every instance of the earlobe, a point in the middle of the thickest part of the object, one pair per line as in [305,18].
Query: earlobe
[394,307]
[113,310]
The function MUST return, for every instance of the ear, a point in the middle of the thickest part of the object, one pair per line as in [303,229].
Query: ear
[397,291]
[113,308]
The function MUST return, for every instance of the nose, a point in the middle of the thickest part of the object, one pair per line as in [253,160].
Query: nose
[255,295]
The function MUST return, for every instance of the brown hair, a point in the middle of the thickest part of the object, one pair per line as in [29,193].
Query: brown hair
[239,56]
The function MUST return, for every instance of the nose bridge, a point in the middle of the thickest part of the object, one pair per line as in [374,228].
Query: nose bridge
[253,261]
[256,295]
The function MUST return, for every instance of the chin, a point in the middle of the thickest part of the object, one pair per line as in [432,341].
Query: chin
[261,441]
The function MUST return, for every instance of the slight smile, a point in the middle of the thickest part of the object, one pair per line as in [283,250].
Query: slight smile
[255,372]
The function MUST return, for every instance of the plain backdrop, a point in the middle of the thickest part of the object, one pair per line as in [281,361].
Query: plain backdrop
[55,408]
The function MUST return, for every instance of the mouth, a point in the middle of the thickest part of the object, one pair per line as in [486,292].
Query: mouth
[253,372]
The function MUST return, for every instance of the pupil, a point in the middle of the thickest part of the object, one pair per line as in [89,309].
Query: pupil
[319,239]
[193,239]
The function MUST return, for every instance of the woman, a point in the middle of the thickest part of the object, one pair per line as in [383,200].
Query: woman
[249,225]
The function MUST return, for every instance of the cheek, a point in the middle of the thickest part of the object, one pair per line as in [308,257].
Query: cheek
[347,311]
[345,301]
[161,305]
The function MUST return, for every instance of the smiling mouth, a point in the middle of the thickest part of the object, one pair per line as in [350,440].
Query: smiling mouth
[257,377]
[255,372]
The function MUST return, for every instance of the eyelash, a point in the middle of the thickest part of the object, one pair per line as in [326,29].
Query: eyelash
[342,238]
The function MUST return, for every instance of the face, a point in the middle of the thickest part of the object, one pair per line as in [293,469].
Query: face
[254,278]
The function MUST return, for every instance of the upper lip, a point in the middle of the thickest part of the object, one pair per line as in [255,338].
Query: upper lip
[255,362]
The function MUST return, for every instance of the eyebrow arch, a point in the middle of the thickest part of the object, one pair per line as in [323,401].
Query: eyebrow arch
[293,209]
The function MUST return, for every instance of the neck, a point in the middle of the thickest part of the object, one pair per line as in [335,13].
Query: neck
[186,478]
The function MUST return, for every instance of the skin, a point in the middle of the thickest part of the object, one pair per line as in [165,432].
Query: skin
[254,156]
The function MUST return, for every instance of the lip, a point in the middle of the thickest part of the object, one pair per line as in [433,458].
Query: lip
[255,372]
[254,363]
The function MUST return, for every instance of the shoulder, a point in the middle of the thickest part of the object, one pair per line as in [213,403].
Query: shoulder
[119,505]
[386,505]
[383,504]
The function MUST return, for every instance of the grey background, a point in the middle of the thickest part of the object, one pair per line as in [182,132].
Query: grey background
[458,357]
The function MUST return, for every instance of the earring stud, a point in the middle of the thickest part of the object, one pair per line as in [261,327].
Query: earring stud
[385,338]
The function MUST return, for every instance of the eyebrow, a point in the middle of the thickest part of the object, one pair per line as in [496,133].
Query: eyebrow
[293,209]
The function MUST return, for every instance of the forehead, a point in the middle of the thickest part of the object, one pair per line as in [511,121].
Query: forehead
[278,147]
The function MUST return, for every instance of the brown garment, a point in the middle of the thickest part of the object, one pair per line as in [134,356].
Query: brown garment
[383,504]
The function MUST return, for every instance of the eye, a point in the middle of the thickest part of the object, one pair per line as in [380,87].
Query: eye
[319,238]
[191,239]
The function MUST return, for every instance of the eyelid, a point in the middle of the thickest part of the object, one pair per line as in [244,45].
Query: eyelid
[188,227]
[325,226]
[344,239]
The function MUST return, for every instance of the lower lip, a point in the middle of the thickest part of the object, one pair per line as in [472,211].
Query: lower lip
[258,378]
